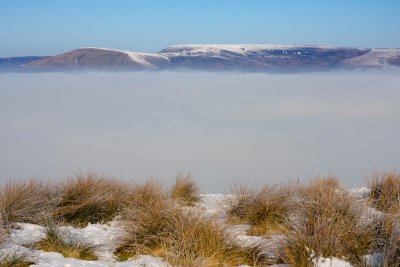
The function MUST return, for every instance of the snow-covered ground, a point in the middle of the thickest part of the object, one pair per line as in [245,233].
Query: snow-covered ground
[104,236]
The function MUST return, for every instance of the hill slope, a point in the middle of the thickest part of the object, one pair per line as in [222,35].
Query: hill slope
[279,58]
[101,58]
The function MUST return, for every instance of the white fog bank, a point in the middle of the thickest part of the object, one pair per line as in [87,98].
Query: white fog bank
[223,128]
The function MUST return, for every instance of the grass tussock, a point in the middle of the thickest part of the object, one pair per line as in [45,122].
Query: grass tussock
[90,199]
[15,258]
[25,201]
[160,228]
[3,232]
[318,219]
[385,192]
[266,210]
[387,239]
[185,189]
[198,241]
[69,244]
[148,194]
[327,224]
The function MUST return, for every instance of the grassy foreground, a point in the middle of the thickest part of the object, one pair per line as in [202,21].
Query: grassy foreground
[315,219]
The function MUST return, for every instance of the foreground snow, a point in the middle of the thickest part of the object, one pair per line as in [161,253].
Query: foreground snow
[106,235]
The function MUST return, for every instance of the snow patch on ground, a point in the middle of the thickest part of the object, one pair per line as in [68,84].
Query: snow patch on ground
[333,262]
[360,193]
[52,259]
[106,236]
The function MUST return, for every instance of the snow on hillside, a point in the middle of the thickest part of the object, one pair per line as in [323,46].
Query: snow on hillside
[235,48]
[262,57]
[94,57]
[376,57]
[145,59]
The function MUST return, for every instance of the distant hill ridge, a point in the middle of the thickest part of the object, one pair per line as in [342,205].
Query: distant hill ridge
[217,57]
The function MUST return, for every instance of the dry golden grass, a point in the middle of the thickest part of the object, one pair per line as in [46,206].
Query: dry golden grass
[385,192]
[144,194]
[185,189]
[296,252]
[25,201]
[15,259]
[157,226]
[3,232]
[144,218]
[327,224]
[90,198]
[265,210]
[319,219]
[199,241]
[70,245]
[145,224]
[387,239]
[239,202]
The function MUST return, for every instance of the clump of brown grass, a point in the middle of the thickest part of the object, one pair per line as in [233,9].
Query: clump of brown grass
[69,244]
[265,210]
[11,257]
[90,198]
[185,189]
[15,258]
[146,194]
[296,251]
[144,218]
[387,239]
[239,202]
[25,201]
[3,232]
[385,192]
[157,226]
[327,224]
[199,241]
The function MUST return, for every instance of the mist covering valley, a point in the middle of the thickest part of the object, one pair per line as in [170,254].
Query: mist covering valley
[224,128]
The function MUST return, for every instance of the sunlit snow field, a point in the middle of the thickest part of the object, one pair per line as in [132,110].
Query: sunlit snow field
[224,128]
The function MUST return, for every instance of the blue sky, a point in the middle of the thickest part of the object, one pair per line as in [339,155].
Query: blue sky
[46,27]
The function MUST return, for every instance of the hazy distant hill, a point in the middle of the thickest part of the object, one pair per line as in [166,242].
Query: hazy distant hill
[16,63]
[214,57]
[101,58]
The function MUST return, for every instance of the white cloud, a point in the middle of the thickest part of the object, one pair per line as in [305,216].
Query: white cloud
[223,127]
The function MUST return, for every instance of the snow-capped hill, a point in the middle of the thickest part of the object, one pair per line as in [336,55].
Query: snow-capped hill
[235,48]
[211,57]
[377,57]
[259,57]
[146,59]
[102,58]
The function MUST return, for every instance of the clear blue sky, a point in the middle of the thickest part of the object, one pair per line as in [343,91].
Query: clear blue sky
[46,27]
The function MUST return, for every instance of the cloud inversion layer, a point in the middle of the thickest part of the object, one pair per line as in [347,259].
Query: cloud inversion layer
[223,128]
